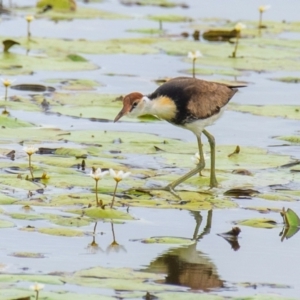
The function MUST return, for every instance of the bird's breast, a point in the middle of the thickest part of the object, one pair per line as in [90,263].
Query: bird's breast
[164,108]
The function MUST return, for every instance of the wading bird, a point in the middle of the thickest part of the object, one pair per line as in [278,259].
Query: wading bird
[186,102]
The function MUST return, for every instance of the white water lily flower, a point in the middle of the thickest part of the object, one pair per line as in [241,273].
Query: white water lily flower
[98,174]
[263,8]
[194,54]
[239,26]
[6,82]
[30,149]
[29,18]
[37,287]
[196,158]
[118,176]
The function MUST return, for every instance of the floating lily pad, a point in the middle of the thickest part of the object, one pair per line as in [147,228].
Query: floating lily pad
[258,222]
[9,122]
[61,232]
[283,111]
[45,279]
[171,18]
[67,5]
[167,240]
[292,139]
[27,255]
[21,216]
[69,221]
[5,199]
[6,224]
[107,213]
[287,79]
[28,63]
[161,3]
[119,279]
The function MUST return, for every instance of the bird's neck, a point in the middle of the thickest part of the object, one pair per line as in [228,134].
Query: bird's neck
[162,107]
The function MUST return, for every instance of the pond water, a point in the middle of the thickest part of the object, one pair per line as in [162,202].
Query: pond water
[257,263]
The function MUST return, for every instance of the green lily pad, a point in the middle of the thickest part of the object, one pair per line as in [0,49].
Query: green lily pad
[4,199]
[283,111]
[61,232]
[287,79]
[120,279]
[161,3]
[171,18]
[292,139]
[6,224]
[14,294]
[28,64]
[8,122]
[27,255]
[107,213]
[45,279]
[69,221]
[290,218]
[21,216]
[167,240]
[258,223]
[147,30]
[61,5]
[277,197]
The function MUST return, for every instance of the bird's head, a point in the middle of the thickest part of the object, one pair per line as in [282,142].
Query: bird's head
[133,106]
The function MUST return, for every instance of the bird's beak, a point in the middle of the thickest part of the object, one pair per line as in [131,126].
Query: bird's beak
[120,114]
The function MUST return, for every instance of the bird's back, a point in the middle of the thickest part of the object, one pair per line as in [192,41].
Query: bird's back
[195,99]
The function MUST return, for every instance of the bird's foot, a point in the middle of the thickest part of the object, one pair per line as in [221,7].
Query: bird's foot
[213,182]
[167,188]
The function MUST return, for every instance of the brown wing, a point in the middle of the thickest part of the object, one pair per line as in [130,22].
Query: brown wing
[207,98]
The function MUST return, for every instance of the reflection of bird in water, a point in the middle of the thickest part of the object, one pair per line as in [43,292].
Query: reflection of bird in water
[186,266]
[186,102]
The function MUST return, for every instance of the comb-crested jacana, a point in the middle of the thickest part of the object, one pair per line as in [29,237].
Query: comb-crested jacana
[186,102]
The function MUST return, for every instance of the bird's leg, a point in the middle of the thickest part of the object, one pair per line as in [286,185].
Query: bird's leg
[170,187]
[211,140]
[200,166]
[201,154]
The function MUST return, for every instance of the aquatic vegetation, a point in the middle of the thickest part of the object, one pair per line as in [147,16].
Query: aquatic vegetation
[30,150]
[29,19]
[6,83]
[37,287]
[262,9]
[97,174]
[117,176]
[238,27]
[193,55]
